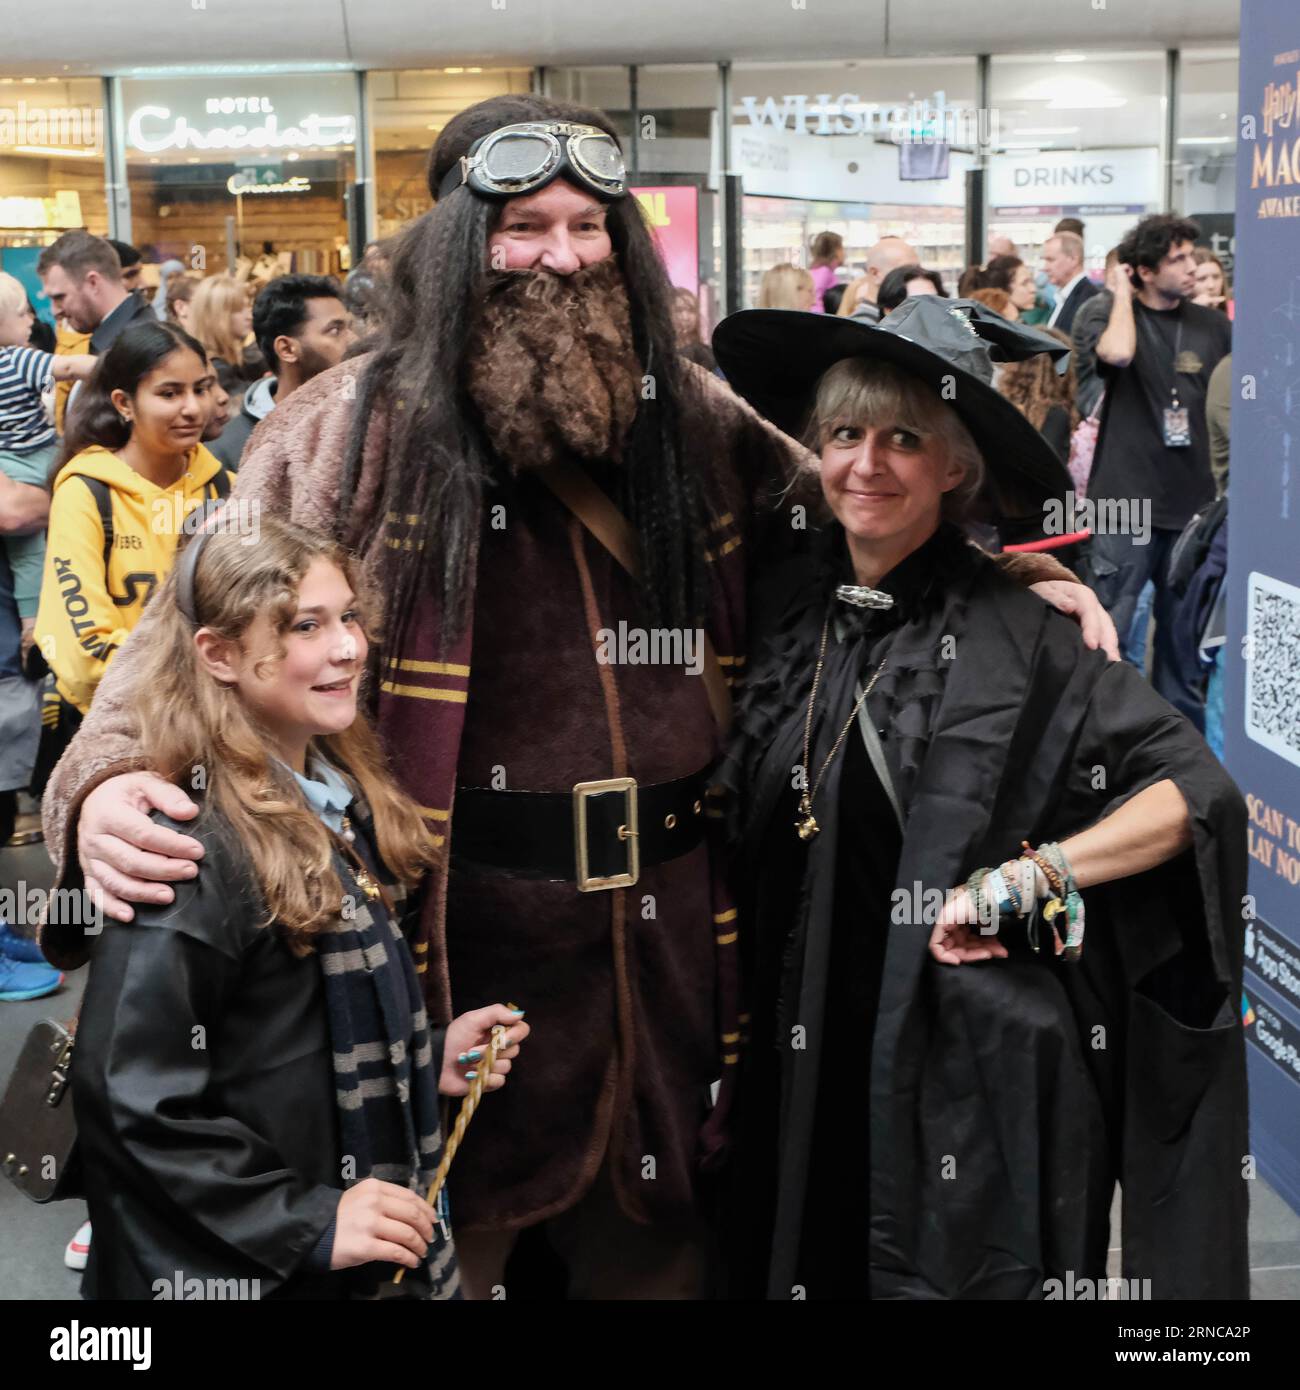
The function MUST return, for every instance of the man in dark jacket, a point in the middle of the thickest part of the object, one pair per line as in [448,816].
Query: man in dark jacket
[302,328]
[1063,263]
[82,276]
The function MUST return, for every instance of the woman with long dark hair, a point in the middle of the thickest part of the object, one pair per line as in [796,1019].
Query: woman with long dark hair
[1011,275]
[131,468]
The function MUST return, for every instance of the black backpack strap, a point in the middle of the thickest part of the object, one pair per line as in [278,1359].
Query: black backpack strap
[103,496]
[219,486]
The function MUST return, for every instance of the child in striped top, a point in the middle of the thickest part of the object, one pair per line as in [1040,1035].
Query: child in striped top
[28,442]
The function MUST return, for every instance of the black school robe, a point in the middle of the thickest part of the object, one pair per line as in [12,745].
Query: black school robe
[956,1132]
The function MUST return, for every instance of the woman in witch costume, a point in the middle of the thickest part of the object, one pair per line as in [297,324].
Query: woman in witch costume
[933,779]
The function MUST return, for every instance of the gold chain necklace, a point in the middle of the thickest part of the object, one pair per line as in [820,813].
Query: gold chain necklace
[807,825]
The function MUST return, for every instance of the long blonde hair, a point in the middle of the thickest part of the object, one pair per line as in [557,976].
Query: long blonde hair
[781,285]
[215,300]
[199,733]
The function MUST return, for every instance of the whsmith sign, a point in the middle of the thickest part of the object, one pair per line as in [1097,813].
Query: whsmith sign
[928,121]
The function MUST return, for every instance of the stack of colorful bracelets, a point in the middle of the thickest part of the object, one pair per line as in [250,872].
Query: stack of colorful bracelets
[1014,887]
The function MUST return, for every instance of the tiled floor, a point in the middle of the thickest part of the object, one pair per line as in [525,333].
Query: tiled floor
[33,1237]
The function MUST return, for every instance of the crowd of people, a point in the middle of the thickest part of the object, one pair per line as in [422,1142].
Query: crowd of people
[345,783]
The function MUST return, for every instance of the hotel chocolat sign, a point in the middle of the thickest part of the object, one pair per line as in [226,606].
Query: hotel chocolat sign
[279,115]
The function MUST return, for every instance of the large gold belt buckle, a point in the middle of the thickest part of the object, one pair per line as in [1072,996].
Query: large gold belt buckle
[628,832]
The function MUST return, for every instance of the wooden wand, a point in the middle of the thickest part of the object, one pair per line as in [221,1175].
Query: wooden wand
[467,1108]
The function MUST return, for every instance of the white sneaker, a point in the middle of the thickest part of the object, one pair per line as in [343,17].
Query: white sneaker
[78,1250]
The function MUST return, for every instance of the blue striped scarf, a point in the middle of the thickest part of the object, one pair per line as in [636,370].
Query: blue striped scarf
[385,1076]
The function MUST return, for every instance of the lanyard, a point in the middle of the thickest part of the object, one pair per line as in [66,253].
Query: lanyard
[1178,348]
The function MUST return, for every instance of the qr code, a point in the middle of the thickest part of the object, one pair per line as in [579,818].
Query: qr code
[1273,665]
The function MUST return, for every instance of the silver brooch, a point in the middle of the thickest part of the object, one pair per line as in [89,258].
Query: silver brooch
[862,597]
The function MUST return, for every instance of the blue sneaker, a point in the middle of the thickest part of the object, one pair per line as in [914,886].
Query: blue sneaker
[19,947]
[19,980]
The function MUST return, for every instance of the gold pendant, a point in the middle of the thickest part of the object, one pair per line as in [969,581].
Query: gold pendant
[367,884]
[807,824]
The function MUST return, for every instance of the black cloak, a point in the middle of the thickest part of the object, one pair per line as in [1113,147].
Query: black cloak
[957,1131]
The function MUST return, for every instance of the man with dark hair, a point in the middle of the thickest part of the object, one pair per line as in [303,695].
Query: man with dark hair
[1156,356]
[132,263]
[1069,224]
[82,275]
[903,282]
[528,468]
[302,329]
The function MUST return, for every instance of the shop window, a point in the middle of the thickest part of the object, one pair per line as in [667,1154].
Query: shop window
[222,168]
[1205,153]
[408,110]
[1077,136]
[823,147]
[52,167]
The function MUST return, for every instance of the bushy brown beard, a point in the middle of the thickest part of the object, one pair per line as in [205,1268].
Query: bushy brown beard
[552,367]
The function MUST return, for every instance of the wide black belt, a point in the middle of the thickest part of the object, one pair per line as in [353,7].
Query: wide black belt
[601,834]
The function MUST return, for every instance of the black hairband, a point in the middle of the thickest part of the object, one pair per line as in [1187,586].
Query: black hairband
[186,569]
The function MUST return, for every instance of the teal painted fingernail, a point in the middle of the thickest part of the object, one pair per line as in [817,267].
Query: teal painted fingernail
[518,1013]
[474,1055]
[470,1075]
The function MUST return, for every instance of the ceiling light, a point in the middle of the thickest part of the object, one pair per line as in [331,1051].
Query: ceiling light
[1070,57]
[457,70]
[1206,140]
[1047,130]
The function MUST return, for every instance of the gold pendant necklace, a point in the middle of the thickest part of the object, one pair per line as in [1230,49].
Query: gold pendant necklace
[806,825]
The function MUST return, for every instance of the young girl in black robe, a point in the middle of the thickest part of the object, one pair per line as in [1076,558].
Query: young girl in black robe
[939,786]
[255,1078]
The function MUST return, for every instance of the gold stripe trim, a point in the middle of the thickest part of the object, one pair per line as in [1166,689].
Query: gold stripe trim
[722,522]
[728,916]
[421,947]
[432,812]
[408,519]
[457,697]
[731,1058]
[431,668]
[725,549]
[726,1037]
[728,939]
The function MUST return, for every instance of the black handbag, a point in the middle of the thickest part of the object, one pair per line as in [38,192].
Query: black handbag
[38,1131]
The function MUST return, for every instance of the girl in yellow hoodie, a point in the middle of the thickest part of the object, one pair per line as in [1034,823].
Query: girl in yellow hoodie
[132,467]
